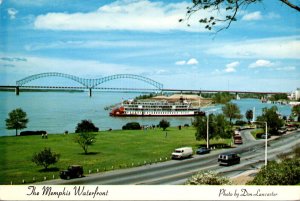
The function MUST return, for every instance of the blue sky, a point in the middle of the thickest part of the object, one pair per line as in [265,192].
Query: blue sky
[92,39]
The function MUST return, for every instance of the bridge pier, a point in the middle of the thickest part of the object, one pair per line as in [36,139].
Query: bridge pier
[237,96]
[90,92]
[17,90]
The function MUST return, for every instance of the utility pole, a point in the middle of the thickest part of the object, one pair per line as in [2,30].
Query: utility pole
[207,130]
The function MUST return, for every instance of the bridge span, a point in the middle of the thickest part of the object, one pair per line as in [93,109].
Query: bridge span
[146,90]
[89,84]
[199,91]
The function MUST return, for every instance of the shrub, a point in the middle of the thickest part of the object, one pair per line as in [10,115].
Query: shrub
[258,135]
[286,172]
[45,158]
[86,126]
[207,178]
[132,126]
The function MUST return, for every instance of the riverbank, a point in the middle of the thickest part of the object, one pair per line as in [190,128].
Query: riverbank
[112,150]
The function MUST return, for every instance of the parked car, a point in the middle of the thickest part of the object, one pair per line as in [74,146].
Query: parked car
[291,127]
[263,136]
[184,152]
[282,130]
[73,171]
[228,159]
[203,150]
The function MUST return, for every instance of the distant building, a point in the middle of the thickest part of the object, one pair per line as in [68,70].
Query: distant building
[295,95]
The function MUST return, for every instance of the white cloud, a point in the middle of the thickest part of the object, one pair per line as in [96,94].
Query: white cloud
[261,63]
[233,64]
[12,13]
[270,48]
[1,2]
[192,61]
[230,68]
[182,62]
[252,16]
[273,15]
[136,15]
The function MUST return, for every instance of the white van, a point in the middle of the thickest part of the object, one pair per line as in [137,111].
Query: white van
[184,152]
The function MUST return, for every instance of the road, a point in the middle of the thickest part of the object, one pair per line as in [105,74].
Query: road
[177,171]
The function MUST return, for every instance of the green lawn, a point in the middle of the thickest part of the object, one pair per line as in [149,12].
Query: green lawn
[112,150]
[257,131]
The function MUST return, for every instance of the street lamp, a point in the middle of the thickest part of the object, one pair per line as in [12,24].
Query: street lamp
[266,140]
[207,125]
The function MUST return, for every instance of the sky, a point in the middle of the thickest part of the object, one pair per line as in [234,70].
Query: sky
[94,39]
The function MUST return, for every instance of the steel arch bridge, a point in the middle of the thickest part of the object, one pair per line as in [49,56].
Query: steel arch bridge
[89,83]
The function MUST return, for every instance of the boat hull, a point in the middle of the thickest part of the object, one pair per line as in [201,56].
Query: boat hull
[158,115]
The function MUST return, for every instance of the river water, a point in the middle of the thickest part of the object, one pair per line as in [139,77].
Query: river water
[57,112]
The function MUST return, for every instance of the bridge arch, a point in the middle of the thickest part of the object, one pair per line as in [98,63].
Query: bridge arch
[50,74]
[89,83]
[129,76]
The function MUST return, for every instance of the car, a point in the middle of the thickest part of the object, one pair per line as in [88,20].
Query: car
[202,150]
[282,130]
[73,171]
[263,136]
[229,159]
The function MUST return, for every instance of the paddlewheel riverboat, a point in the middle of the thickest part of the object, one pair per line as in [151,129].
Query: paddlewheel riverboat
[156,108]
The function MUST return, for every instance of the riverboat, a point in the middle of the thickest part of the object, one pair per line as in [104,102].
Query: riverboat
[155,108]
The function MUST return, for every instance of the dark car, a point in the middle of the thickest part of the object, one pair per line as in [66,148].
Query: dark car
[203,150]
[73,171]
[229,159]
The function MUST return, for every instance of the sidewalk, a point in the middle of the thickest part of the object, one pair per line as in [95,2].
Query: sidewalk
[243,178]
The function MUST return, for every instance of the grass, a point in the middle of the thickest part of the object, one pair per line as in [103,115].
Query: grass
[112,150]
[257,131]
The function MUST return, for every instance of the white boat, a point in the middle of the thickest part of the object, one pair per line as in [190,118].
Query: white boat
[156,108]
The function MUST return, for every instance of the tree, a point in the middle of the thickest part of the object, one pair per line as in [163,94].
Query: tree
[207,178]
[200,123]
[218,127]
[17,120]
[249,115]
[222,97]
[270,116]
[277,97]
[296,112]
[164,124]
[45,158]
[86,126]
[231,111]
[221,127]
[225,11]
[85,140]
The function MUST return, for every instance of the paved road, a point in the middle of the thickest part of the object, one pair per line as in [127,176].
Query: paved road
[177,172]
[247,137]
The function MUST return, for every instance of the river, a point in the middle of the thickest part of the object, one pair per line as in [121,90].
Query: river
[57,112]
